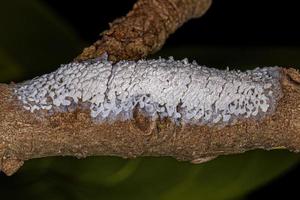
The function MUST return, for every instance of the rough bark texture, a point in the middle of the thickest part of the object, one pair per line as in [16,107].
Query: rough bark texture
[145,29]
[24,135]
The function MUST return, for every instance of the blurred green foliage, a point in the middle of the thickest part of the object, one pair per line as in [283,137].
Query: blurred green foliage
[33,40]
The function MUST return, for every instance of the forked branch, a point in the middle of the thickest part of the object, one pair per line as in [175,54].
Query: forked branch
[147,108]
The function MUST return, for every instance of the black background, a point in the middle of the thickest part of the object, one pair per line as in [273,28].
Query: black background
[227,23]
[230,22]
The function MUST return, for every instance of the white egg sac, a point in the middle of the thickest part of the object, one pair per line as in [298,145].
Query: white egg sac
[182,91]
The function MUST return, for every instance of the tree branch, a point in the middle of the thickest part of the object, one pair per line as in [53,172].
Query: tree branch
[145,29]
[97,108]
[142,32]
[102,119]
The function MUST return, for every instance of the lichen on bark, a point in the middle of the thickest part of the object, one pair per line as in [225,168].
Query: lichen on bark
[179,90]
[25,135]
[142,32]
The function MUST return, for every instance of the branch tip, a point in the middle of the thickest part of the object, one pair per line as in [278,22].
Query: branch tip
[11,166]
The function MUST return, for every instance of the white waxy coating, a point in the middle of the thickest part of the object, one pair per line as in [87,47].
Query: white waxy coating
[179,90]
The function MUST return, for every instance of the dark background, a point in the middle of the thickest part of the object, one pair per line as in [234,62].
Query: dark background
[228,23]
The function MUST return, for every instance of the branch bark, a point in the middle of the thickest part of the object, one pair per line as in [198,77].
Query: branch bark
[25,135]
[142,32]
[145,29]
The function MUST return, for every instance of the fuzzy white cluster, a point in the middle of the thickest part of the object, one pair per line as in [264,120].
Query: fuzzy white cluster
[179,90]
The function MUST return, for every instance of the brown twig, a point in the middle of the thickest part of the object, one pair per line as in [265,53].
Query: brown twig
[145,29]
[142,32]
[25,135]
